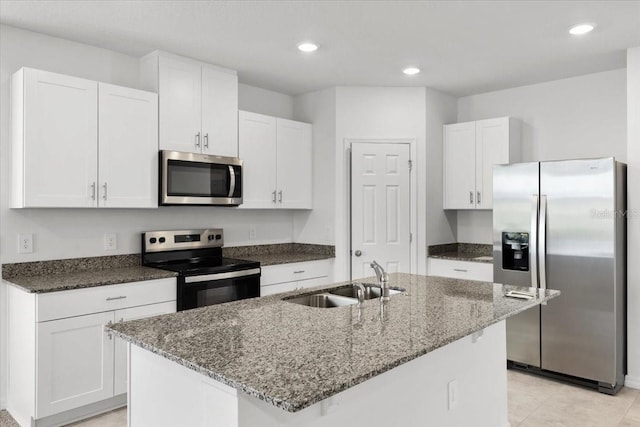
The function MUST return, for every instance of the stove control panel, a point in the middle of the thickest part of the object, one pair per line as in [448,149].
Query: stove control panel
[158,241]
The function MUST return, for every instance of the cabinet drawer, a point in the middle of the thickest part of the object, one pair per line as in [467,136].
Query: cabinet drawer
[461,269]
[278,288]
[294,272]
[57,305]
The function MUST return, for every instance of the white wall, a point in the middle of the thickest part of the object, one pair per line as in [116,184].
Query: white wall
[375,113]
[577,117]
[317,225]
[69,233]
[440,224]
[633,223]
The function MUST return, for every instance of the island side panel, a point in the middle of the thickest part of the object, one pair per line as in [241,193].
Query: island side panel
[164,393]
[416,393]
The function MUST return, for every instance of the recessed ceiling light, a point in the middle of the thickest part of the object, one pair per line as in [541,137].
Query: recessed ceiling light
[580,29]
[410,71]
[307,47]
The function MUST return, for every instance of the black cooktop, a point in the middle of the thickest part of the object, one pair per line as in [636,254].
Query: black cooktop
[196,267]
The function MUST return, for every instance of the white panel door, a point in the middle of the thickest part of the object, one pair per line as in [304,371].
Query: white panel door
[128,147]
[61,140]
[180,91]
[380,208]
[120,358]
[294,164]
[257,147]
[459,166]
[219,113]
[492,148]
[74,363]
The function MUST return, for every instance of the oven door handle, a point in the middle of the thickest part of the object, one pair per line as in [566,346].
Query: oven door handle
[221,276]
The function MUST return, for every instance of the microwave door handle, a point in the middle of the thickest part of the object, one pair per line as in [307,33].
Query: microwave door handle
[232,181]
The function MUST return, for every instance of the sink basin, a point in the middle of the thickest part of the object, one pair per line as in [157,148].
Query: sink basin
[323,300]
[371,291]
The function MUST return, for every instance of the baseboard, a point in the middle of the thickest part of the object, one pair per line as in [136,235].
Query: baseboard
[632,382]
[83,412]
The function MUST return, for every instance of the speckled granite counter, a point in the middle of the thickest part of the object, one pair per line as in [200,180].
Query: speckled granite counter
[6,420]
[283,253]
[475,252]
[67,274]
[293,356]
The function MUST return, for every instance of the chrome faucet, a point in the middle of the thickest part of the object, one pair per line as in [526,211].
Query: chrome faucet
[383,280]
[361,290]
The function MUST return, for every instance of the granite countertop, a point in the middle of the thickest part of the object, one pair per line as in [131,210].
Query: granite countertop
[283,253]
[86,279]
[293,356]
[475,252]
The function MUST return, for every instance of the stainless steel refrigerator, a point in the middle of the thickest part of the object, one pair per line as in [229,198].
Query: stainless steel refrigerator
[561,225]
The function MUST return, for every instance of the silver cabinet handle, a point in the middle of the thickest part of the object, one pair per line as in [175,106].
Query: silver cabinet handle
[298,272]
[206,140]
[93,191]
[478,197]
[358,252]
[115,298]
[460,270]
[273,196]
[121,320]
[198,140]
[280,196]
[470,197]
[104,193]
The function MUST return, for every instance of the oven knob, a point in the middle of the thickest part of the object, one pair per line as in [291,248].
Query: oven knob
[162,240]
[218,236]
[212,237]
[152,240]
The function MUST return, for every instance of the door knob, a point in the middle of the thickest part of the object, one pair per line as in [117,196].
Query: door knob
[358,252]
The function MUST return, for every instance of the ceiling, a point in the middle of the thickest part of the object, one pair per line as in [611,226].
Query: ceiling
[462,47]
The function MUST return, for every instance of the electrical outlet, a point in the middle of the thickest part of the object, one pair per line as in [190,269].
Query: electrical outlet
[25,243]
[110,242]
[452,392]
[252,232]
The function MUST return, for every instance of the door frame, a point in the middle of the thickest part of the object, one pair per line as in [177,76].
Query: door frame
[413,196]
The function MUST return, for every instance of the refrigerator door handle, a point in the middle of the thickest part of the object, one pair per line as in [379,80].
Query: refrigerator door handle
[542,242]
[533,241]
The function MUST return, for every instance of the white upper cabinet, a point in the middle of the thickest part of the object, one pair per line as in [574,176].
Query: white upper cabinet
[127,148]
[471,149]
[277,165]
[78,143]
[198,104]
[55,133]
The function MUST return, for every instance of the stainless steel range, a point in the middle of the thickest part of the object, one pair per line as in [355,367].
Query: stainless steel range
[205,277]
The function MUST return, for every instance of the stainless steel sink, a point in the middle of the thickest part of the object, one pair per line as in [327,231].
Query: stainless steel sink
[323,300]
[371,291]
[340,297]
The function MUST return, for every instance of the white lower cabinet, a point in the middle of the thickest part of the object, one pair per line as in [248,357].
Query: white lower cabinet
[64,365]
[280,278]
[467,270]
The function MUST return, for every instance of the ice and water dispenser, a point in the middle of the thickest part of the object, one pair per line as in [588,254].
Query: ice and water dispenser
[515,251]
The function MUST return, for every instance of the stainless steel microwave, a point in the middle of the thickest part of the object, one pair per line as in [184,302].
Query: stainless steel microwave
[199,179]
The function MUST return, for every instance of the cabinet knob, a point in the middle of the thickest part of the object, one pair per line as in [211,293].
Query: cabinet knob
[104,193]
[470,197]
[273,195]
[280,196]
[206,140]
[198,140]
[478,197]
[93,191]
[358,252]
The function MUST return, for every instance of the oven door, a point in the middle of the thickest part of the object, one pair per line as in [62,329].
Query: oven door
[209,289]
[199,179]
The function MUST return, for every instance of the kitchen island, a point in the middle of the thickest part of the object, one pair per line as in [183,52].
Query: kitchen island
[433,355]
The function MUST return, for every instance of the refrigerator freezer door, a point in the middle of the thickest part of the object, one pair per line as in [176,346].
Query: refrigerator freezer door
[579,328]
[515,210]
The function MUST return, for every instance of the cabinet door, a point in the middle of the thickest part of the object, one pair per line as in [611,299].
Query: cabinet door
[120,358]
[294,165]
[257,147]
[459,166]
[128,147]
[179,85]
[60,140]
[219,112]
[492,148]
[74,363]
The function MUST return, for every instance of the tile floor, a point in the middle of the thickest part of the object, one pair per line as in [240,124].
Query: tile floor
[533,402]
